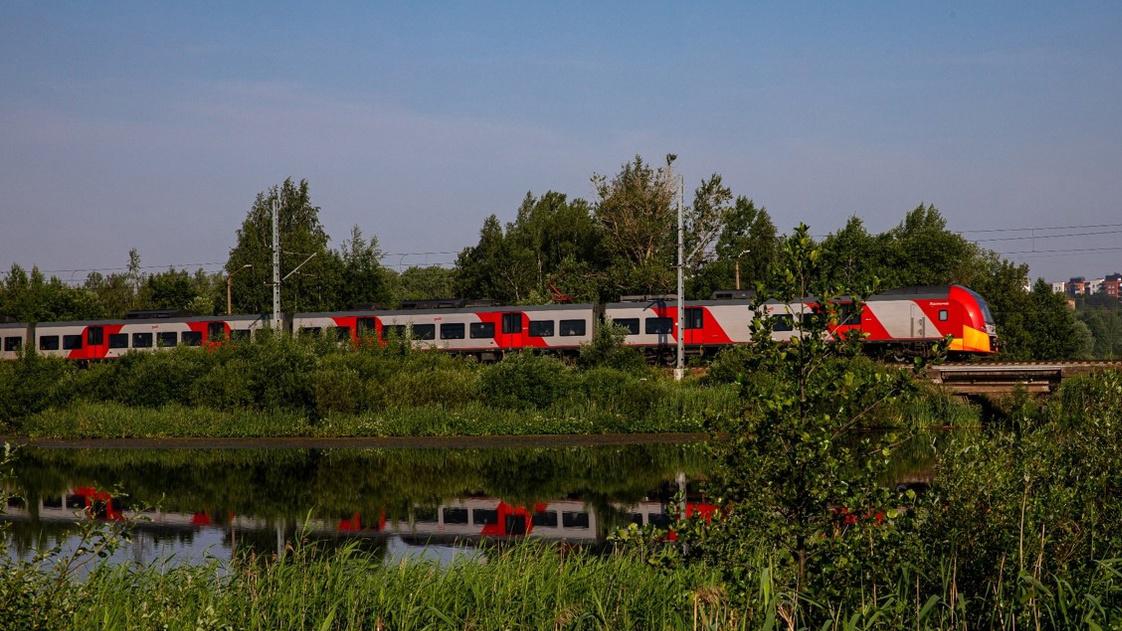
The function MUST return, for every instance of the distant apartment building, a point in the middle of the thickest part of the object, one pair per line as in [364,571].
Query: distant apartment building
[1094,286]
[1059,287]
[1112,285]
[1077,286]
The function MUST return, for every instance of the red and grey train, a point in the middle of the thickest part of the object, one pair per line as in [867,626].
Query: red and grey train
[896,321]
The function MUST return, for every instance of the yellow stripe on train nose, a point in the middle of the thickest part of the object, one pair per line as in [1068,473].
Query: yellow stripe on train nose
[972,340]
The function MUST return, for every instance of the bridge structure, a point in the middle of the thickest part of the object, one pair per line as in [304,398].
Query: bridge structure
[1000,378]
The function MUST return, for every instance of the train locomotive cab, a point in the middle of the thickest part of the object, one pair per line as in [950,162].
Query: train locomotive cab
[976,333]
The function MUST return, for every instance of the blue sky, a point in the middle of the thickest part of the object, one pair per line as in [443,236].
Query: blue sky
[154,125]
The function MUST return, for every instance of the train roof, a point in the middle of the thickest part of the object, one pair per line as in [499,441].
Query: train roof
[224,318]
[475,309]
[13,325]
[924,291]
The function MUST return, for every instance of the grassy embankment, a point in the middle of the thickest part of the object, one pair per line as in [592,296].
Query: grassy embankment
[301,387]
[527,586]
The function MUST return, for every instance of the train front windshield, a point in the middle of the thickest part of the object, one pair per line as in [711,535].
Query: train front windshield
[985,307]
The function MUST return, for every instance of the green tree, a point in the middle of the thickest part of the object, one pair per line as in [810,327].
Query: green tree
[799,473]
[363,280]
[636,210]
[536,252]
[34,298]
[1105,326]
[1053,331]
[853,256]
[313,287]
[425,283]
[748,236]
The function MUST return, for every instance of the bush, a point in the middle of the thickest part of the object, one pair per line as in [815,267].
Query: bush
[524,380]
[608,351]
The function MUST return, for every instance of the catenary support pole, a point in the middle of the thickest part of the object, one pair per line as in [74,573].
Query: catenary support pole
[277,318]
[680,364]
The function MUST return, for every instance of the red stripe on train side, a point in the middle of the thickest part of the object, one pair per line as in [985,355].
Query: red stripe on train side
[96,351]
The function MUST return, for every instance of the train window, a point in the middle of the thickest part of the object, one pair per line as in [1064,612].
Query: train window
[424,331]
[310,330]
[571,328]
[239,335]
[658,326]
[118,340]
[95,336]
[943,315]
[848,313]
[71,342]
[541,328]
[424,515]
[216,331]
[631,324]
[512,323]
[52,501]
[484,516]
[48,343]
[395,331]
[783,322]
[545,519]
[482,330]
[366,327]
[192,338]
[813,320]
[455,515]
[142,340]
[659,520]
[515,525]
[635,518]
[343,333]
[166,338]
[695,318]
[452,331]
[574,519]
[12,344]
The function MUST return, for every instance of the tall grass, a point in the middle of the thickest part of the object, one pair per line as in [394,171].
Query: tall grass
[528,586]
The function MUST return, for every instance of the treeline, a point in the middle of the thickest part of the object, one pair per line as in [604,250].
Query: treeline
[558,248]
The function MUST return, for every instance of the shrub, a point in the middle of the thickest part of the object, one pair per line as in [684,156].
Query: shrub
[607,350]
[524,380]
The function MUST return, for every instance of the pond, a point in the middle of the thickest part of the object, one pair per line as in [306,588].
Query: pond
[186,503]
[190,505]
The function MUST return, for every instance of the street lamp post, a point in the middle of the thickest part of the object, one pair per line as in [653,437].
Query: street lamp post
[230,288]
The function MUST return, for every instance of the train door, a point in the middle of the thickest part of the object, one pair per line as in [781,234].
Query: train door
[510,334]
[919,322]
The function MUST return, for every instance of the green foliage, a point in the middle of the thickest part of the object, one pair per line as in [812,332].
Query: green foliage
[550,238]
[339,390]
[1105,327]
[425,283]
[607,350]
[525,380]
[799,473]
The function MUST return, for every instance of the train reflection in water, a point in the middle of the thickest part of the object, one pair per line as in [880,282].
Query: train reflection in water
[457,522]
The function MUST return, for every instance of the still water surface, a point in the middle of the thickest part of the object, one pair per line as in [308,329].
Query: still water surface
[195,504]
[191,505]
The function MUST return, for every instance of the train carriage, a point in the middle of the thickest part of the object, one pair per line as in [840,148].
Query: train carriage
[13,339]
[709,324]
[107,339]
[475,330]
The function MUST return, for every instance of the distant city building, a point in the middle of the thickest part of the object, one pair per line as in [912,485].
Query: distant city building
[1059,287]
[1077,286]
[1112,285]
[1094,286]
